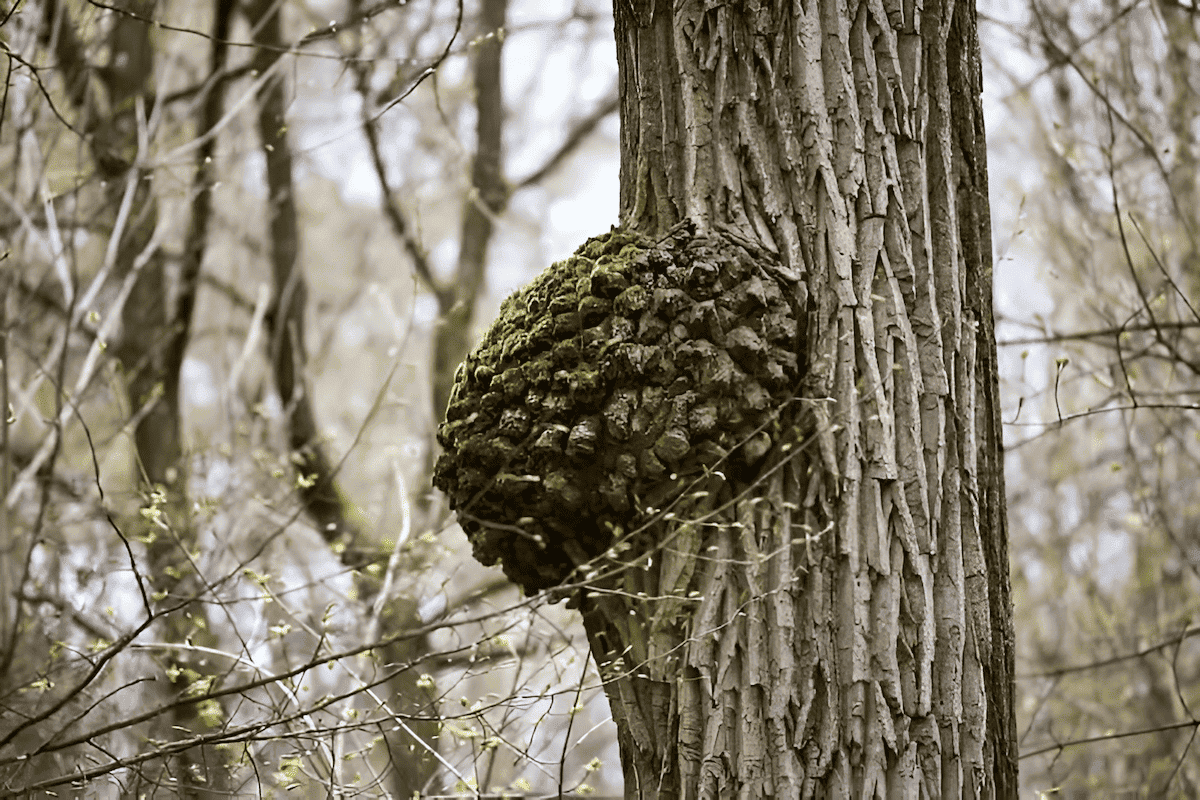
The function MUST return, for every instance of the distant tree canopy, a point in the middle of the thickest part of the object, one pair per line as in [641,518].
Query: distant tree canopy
[219,390]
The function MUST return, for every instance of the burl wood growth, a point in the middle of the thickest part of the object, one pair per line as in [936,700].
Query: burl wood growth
[620,378]
[757,427]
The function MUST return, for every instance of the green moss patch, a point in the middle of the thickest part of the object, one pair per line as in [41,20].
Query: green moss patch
[605,386]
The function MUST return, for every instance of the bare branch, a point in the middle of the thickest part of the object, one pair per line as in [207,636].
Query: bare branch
[578,132]
[1054,337]
[391,207]
[1109,737]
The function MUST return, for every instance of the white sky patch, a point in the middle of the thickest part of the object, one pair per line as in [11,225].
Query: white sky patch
[1035,572]
[574,218]
[253,172]
[1080,554]
[218,478]
[335,146]
[442,257]
[425,309]
[199,385]
[271,406]
[1114,551]
[358,180]
[352,332]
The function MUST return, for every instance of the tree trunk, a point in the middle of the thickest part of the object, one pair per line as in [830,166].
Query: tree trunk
[412,748]
[486,200]
[317,483]
[755,430]
[839,626]
[150,352]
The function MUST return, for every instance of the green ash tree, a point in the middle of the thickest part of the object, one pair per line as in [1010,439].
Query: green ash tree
[753,432]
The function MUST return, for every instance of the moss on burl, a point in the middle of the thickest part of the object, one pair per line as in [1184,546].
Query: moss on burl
[605,386]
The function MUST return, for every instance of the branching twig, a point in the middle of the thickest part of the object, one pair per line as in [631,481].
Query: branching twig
[1108,737]
[578,132]
[1055,337]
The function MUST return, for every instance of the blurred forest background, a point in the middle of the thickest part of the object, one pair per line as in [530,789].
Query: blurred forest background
[244,245]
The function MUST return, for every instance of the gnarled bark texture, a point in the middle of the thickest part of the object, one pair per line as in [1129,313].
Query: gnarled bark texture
[807,598]
[851,636]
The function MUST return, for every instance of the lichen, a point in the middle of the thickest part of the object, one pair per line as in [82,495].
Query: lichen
[606,385]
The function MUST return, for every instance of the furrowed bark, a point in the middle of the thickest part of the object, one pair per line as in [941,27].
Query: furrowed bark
[805,593]
[833,137]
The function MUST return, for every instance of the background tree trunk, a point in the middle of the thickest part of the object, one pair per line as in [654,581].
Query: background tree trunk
[288,356]
[842,626]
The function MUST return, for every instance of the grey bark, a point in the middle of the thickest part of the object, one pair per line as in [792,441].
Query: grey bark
[843,629]
[754,432]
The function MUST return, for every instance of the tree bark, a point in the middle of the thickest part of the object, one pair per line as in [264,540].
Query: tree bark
[841,626]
